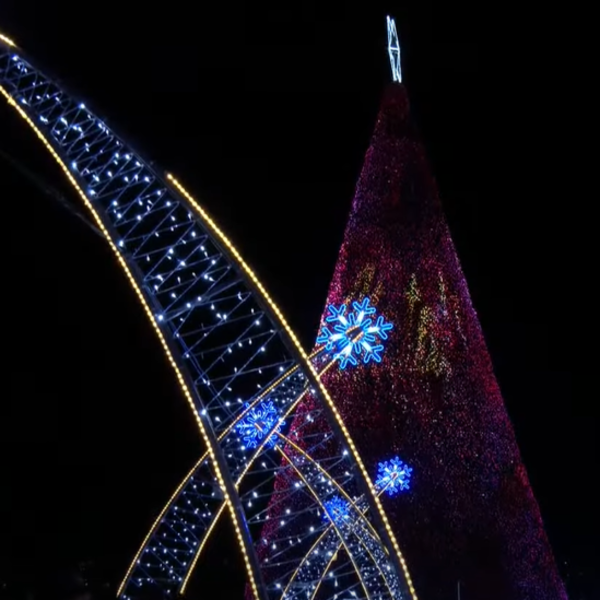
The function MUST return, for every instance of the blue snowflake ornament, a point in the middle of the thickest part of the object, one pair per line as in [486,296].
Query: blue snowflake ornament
[393,476]
[337,510]
[258,424]
[354,335]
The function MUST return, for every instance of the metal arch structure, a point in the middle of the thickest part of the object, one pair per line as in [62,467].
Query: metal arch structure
[239,366]
[328,542]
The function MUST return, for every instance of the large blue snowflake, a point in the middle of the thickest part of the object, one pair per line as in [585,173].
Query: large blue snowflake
[393,476]
[258,424]
[337,510]
[354,335]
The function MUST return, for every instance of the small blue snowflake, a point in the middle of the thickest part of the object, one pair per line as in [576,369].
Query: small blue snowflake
[357,334]
[393,476]
[258,424]
[337,510]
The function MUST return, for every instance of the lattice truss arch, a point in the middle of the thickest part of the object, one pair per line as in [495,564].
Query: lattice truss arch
[238,364]
[338,345]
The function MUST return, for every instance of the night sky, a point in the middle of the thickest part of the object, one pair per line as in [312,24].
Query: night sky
[264,111]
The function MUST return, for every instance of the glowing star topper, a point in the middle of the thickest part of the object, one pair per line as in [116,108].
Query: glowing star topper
[337,510]
[393,476]
[354,334]
[394,50]
[259,423]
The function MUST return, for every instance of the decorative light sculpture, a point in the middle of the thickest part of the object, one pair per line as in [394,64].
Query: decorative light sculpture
[337,510]
[231,350]
[258,424]
[355,334]
[393,476]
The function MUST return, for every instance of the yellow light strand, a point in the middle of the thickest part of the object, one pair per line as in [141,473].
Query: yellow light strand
[7,41]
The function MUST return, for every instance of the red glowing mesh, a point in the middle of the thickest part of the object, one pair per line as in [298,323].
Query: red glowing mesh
[434,401]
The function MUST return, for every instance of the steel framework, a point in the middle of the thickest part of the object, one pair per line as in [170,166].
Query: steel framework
[239,366]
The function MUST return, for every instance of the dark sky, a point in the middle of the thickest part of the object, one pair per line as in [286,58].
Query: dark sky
[265,110]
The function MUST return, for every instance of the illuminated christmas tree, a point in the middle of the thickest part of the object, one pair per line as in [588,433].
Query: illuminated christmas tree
[433,399]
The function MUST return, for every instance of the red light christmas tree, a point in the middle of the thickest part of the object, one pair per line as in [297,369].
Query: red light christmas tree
[471,515]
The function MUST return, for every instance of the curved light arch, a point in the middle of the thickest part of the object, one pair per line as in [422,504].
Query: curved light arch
[199,464]
[181,379]
[23,95]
